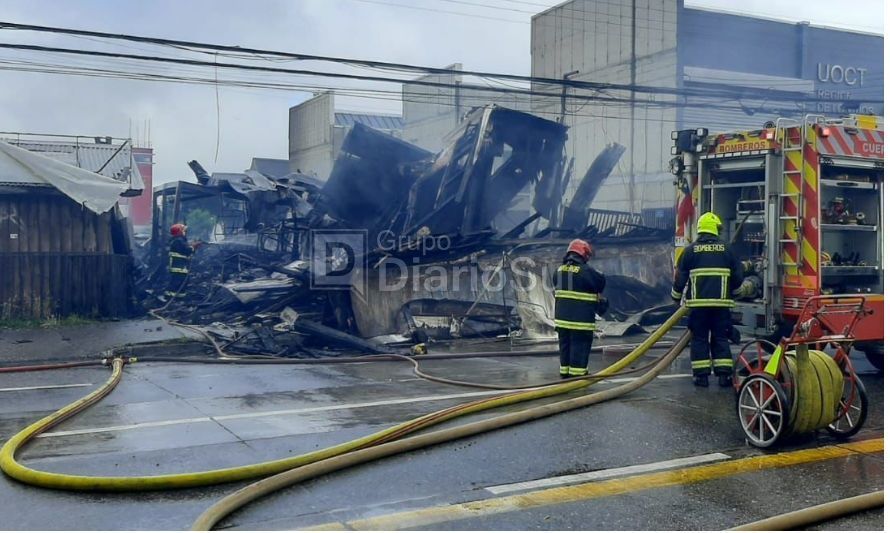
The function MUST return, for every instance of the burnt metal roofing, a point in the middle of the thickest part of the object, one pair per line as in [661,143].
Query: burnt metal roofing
[88,156]
[378,122]
[273,168]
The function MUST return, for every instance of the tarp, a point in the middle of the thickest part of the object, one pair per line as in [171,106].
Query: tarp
[93,191]
[115,160]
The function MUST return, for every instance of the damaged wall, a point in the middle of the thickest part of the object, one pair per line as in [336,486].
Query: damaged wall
[378,303]
[431,113]
[316,131]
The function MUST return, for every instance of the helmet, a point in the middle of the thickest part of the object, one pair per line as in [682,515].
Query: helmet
[581,248]
[177,230]
[709,223]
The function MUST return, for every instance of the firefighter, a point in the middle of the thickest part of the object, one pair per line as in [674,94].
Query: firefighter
[714,276]
[578,299]
[179,258]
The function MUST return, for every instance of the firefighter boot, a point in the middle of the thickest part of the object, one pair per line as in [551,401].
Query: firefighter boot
[700,381]
[724,380]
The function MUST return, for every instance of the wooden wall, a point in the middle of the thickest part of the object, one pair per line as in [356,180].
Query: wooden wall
[58,259]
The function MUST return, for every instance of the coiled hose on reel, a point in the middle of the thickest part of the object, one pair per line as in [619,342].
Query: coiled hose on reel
[818,387]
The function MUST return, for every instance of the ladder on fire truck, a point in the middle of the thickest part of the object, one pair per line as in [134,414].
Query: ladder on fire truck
[788,145]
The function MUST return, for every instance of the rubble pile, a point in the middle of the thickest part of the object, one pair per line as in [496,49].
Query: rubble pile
[429,233]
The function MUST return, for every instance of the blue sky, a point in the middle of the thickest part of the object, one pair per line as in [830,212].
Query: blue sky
[253,122]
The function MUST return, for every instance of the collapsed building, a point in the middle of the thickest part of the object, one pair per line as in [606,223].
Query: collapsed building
[400,245]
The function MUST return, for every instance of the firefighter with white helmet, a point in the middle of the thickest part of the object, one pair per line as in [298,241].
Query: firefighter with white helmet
[578,289]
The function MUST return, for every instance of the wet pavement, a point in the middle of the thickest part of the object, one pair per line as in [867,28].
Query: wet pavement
[84,341]
[167,418]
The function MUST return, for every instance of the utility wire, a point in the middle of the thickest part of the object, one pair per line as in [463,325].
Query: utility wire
[579,84]
[254,68]
[374,94]
[548,15]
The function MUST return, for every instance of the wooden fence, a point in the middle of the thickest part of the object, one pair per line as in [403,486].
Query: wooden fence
[58,259]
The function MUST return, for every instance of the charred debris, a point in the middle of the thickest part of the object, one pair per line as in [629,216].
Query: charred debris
[401,246]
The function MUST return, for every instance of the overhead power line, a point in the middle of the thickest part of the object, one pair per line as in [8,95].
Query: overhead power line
[731,92]
[362,77]
[373,94]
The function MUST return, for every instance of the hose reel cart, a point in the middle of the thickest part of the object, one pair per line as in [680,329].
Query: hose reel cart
[797,387]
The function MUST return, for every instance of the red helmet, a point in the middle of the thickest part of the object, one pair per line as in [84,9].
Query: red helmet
[581,248]
[177,230]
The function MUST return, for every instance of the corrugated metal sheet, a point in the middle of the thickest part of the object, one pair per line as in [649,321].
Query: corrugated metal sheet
[273,168]
[378,122]
[89,156]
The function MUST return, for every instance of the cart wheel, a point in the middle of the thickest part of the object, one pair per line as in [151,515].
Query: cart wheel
[763,410]
[852,409]
[752,359]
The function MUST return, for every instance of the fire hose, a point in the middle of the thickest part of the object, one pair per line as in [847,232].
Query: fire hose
[416,361]
[797,520]
[266,486]
[16,470]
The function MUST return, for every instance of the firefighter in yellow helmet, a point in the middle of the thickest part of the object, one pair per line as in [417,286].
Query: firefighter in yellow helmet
[711,276]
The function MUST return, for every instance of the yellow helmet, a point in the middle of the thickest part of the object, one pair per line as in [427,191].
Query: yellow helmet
[709,223]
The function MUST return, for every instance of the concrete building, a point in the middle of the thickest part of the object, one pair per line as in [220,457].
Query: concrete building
[431,113]
[661,43]
[316,131]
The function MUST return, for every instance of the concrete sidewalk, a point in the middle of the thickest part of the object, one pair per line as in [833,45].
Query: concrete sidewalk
[67,343]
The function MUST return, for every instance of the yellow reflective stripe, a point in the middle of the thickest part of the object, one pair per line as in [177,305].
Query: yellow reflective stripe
[577,371]
[575,295]
[722,362]
[723,273]
[709,270]
[710,302]
[563,370]
[567,324]
[701,364]
[675,294]
[178,255]
[178,270]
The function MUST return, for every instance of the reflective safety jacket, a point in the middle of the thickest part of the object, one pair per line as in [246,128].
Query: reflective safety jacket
[180,252]
[578,287]
[712,272]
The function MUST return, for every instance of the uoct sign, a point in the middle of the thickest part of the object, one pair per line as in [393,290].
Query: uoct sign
[852,76]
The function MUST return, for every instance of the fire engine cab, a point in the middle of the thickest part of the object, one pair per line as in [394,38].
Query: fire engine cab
[801,204]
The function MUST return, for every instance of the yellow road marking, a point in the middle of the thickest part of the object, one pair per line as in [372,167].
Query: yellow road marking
[601,489]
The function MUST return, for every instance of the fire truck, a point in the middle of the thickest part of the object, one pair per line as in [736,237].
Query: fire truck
[801,205]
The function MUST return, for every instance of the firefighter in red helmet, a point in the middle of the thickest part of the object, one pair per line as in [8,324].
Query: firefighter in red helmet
[179,257]
[578,288]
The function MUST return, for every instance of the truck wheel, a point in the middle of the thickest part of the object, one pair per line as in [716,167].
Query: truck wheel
[874,352]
